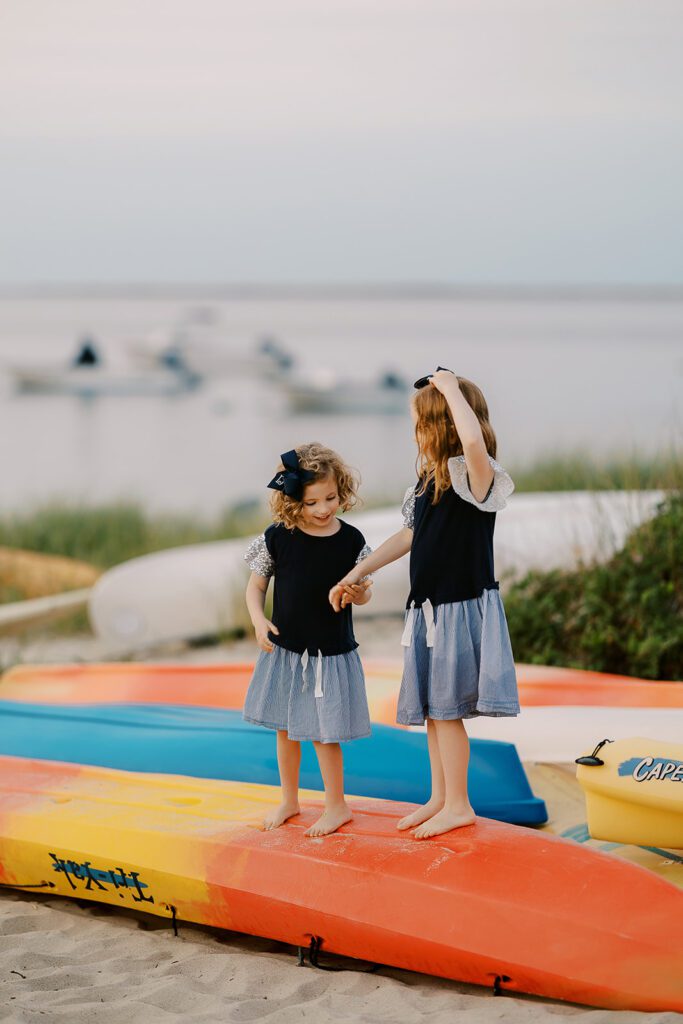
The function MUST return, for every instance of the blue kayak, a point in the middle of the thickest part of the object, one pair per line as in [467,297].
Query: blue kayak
[212,743]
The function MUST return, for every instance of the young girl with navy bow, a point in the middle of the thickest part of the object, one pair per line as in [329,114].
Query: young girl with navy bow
[308,680]
[458,660]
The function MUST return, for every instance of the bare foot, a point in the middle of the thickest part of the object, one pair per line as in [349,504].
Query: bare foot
[330,820]
[445,821]
[279,815]
[428,810]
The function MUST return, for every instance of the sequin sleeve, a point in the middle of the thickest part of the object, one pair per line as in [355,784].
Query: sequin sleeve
[258,557]
[363,553]
[500,490]
[408,508]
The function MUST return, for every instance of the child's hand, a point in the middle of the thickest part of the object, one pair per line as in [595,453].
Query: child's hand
[335,596]
[354,593]
[262,639]
[444,381]
[348,593]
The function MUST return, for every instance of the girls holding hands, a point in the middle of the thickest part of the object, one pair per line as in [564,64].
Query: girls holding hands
[458,660]
[308,680]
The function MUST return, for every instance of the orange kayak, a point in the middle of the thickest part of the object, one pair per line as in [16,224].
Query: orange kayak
[212,686]
[549,685]
[216,686]
[225,685]
[491,904]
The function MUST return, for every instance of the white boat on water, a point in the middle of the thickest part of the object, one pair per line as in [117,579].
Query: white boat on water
[198,591]
[87,376]
[86,383]
[325,392]
[208,348]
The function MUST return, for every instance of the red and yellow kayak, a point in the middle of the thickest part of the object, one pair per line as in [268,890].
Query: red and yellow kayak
[490,904]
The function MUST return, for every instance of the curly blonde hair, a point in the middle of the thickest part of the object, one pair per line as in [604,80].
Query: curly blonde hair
[322,462]
[436,435]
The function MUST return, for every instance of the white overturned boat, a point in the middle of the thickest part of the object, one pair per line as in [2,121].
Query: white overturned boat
[560,734]
[198,591]
[182,594]
[325,392]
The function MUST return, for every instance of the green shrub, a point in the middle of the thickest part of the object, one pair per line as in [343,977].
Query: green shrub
[625,616]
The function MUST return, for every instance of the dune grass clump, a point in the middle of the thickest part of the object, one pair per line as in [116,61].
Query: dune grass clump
[109,534]
[581,472]
[624,617]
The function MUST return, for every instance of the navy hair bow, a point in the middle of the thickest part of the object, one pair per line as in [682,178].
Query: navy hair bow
[292,478]
[424,381]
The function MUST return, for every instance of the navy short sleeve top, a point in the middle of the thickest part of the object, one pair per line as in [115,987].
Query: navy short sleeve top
[451,557]
[305,567]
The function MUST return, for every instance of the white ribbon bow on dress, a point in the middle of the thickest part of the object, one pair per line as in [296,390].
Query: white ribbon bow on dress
[318,692]
[428,612]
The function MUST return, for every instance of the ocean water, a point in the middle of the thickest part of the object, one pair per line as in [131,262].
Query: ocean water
[600,376]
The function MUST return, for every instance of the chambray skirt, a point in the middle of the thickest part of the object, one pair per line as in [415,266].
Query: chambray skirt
[282,695]
[466,670]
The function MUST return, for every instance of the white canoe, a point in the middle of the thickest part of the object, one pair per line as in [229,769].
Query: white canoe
[198,590]
[561,734]
[180,594]
[554,530]
[559,530]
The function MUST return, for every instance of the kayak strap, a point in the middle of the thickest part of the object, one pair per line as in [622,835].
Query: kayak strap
[20,885]
[497,983]
[313,951]
[592,759]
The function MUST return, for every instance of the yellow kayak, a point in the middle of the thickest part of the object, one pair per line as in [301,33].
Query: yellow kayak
[558,786]
[634,792]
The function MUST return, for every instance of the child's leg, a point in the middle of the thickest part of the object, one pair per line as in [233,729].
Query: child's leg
[288,761]
[438,797]
[337,812]
[454,751]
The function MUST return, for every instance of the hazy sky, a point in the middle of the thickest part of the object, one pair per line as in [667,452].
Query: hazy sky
[472,141]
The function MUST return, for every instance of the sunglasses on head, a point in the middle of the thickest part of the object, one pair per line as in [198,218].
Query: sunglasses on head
[424,381]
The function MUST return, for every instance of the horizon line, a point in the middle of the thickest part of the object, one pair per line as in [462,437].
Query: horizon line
[336,290]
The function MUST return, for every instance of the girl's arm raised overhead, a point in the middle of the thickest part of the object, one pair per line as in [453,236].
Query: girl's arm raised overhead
[479,469]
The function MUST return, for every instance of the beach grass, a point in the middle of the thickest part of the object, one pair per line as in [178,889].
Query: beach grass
[623,616]
[579,471]
[107,535]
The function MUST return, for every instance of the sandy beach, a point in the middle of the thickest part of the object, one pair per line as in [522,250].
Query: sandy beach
[67,960]
[72,962]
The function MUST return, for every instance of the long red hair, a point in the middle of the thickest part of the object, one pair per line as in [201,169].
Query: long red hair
[436,435]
